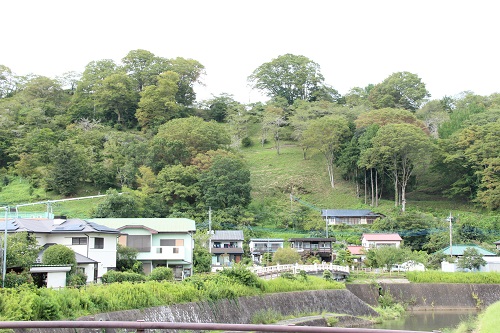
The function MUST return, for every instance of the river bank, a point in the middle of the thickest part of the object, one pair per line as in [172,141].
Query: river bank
[355,301]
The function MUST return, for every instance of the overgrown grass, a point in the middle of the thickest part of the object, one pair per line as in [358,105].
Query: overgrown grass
[455,277]
[29,303]
[281,285]
[19,191]
[489,321]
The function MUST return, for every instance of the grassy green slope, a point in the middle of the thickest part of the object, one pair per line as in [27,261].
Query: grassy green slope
[273,178]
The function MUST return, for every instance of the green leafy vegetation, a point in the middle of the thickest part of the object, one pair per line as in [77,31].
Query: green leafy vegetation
[29,303]
[455,277]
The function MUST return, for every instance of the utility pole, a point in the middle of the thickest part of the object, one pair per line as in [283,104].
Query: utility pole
[4,257]
[450,219]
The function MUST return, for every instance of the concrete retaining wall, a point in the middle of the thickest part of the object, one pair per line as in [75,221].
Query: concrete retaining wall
[242,311]
[422,296]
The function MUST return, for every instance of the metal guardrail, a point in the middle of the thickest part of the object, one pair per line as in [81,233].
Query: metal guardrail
[141,326]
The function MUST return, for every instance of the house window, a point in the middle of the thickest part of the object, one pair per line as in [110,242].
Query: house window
[171,242]
[79,241]
[175,250]
[139,242]
[158,250]
[98,243]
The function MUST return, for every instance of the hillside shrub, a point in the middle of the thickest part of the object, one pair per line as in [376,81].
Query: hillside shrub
[18,303]
[161,274]
[76,280]
[241,274]
[47,306]
[115,276]
[14,280]
[246,142]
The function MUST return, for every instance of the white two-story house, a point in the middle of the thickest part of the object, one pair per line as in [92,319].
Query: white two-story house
[164,242]
[260,246]
[94,244]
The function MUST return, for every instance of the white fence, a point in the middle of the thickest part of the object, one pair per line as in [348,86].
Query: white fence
[296,268]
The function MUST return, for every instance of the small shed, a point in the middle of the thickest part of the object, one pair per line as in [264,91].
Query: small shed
[55,276]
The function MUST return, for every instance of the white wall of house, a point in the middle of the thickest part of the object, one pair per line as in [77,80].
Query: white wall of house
[174,250]
[105,256]
[56,275]
[492,265]
[376,244]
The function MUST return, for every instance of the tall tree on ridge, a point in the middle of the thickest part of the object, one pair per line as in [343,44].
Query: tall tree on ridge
[289,76]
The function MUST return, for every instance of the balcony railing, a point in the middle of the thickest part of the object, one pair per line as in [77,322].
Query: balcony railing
[163,252]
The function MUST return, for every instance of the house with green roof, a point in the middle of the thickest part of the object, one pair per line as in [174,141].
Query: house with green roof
[457,252]
[161,242]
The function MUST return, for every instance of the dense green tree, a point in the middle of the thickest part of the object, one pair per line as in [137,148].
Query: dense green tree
[67,169]
[157,104]
[140,66]
[344,258]
[285,256]
[167,151]
[194,134]
[22,250]
[7,82]
[226,183]
[328,135]
[403,148]
[400,90]
[116,205]
[358,97]
[179,187]
[289,76]
[116,100]
[387,256]
[471,259]
[473,151]
[59,254]
[202,259]
[126,259]
[465,106]
[83,101]
[190,73]
[385,116]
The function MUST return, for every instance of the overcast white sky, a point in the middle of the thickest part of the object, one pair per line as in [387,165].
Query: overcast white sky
[452,46]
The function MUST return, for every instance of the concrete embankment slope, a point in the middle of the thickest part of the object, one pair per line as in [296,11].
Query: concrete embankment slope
[243,310]
[428,296]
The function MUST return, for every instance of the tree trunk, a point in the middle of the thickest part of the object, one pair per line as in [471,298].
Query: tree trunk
[376,188]
[371,183]
[366,198]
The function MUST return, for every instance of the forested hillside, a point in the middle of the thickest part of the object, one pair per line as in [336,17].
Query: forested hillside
[136,128]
